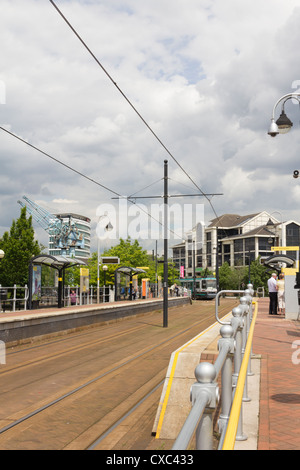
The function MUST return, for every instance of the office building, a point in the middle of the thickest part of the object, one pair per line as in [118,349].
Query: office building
[237,239]
[76,239]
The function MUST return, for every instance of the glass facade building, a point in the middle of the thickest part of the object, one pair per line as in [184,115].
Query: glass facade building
[237,240]
[81,226]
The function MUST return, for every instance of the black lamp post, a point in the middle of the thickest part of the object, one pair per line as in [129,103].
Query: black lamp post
[104,282]
[283,123]
[282,126]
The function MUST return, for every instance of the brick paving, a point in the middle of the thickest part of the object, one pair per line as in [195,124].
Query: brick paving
[277,340]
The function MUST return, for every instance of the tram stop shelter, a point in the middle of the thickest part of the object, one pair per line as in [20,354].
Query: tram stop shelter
[286,264]
[275,262]
[60,263]
[130,272]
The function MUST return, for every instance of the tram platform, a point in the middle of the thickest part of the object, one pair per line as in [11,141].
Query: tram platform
[277,341]
[23,326]
[271,419]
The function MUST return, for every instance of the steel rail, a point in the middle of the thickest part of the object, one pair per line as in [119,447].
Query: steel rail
[95,379]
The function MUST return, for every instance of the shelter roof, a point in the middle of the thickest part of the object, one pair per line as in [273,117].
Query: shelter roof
[273,261]
[57,262]
[129,270]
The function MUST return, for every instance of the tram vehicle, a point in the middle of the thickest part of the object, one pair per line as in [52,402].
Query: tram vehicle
[205,288]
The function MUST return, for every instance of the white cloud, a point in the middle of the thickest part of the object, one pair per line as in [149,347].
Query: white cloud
[64,201]
[204,74]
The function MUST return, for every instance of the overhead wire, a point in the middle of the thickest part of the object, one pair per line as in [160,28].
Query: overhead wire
[131,104]
[139,115]
[58,161]
[86,177]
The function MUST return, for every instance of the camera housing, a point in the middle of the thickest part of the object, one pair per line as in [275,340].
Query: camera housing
[296,174]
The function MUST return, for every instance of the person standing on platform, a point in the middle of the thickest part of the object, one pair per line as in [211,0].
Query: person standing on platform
[272,287]
[280,292]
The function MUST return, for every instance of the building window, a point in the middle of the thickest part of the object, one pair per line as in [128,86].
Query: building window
[263,244]
[238,246]
[250,244]
[292,238]
[227,259]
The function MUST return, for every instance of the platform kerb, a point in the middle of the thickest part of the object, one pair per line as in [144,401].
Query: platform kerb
[21,327]
[175,405]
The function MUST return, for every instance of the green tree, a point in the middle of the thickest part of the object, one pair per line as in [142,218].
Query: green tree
[226,280]
[130,253]
[232,278]
[173,273]
[258,275]
[237,278]
[19,246]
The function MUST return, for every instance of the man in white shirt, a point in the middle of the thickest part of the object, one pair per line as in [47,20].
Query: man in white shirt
[272,287]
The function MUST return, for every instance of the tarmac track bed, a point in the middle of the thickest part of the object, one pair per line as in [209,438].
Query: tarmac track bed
[96,389]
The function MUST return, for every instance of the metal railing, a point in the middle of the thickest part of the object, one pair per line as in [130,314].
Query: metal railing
[16,298]
[13,298]
[234,364]
[74,296]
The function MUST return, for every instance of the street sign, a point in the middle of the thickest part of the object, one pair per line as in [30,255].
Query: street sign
[284,248]
[110,260]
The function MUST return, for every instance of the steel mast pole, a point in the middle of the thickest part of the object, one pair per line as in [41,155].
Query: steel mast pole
[165,288]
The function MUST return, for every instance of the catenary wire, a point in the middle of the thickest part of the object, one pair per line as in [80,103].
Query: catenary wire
[131,104]
[86,177]
[58,161]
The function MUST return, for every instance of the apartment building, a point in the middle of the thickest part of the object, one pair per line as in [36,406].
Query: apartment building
[236,239]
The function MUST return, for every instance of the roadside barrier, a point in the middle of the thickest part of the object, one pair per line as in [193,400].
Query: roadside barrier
[234,364]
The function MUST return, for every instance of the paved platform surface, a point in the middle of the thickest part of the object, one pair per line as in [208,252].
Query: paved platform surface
[277,340]
[277,344]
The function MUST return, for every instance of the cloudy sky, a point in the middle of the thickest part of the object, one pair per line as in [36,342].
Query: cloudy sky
[203,74]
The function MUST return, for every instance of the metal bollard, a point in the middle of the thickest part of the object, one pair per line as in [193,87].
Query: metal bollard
[204,397]
[245,308]
[250,287]
[227,340]
[205,374]
[238,322]
[249,320]
[244,303]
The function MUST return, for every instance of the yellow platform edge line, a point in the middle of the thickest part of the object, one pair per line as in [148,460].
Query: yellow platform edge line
[230,436]
[166,399]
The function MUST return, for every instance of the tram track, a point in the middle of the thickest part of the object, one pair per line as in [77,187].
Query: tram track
[96,429]
[71,350]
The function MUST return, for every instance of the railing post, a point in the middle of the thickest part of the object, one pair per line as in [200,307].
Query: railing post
[226,332]
[244,303]
[14,298]
[249,294]
[25,296]
[205,374]
[238,322]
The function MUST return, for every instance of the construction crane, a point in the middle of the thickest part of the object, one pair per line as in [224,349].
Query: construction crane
[64,234]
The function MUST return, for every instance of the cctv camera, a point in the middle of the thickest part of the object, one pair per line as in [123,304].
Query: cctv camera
[273,134]
[296,174]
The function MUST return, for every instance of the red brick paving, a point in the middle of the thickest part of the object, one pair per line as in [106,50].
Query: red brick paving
[278,342]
